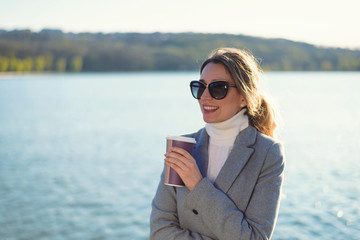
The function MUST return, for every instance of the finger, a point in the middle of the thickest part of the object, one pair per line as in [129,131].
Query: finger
[176,155]
[182,152]
[184,164]
[181,161]
[176,164]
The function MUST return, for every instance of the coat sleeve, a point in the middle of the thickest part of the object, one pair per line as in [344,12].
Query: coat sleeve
[164,221]
[220,214]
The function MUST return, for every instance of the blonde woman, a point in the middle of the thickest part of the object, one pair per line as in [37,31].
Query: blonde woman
[233,178]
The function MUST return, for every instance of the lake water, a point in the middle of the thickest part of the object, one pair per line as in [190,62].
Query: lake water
[81,154]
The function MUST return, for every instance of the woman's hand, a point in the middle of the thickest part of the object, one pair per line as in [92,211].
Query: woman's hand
[185,165]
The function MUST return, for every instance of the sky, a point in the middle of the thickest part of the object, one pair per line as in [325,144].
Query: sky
[332,23]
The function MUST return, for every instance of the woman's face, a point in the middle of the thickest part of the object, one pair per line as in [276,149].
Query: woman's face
[213,110]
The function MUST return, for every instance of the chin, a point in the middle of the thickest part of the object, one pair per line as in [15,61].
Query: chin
[207,120]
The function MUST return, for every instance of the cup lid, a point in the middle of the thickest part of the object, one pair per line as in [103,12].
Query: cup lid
[181,138]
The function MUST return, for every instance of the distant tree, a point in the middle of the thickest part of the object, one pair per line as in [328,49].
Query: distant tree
[76,64]
[28,64]
[4,64]
[40,63]
[13,64]
[48,62]
[326,66]
[54,50]
[61,65]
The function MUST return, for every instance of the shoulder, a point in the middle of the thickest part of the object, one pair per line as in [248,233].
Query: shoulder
[268,143]
[272,149]
[266,149]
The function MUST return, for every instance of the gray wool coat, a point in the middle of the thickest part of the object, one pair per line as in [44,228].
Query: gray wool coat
[242,203]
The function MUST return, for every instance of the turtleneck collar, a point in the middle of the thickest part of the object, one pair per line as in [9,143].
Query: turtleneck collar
[225,132]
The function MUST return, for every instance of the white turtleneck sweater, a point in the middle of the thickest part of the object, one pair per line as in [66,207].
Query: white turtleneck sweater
[222,138]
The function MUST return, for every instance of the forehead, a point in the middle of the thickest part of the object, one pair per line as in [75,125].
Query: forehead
[215,71]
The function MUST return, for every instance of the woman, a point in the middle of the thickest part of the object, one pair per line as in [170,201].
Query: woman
[233,177]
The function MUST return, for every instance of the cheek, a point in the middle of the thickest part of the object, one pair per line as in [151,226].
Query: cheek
[235,101]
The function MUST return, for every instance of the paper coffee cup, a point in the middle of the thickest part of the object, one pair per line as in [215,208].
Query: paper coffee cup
[186,143]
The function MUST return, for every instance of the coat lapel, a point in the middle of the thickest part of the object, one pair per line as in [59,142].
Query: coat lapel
[237,159]
[201,153]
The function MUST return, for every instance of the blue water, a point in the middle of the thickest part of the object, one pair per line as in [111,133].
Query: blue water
[81,154]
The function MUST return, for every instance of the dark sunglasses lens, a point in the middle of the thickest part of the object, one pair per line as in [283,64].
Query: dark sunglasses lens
[218,90]
[197,89]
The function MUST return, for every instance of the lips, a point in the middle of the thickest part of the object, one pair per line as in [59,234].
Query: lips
[208,108]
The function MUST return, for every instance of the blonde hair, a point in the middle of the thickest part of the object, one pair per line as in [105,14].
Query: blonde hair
[245,71]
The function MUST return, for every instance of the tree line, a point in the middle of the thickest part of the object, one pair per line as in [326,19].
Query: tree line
[56,51]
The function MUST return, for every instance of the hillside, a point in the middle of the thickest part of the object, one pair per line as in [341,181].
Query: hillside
[54,50]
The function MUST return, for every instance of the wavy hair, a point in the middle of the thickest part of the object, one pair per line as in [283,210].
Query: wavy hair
[246,72]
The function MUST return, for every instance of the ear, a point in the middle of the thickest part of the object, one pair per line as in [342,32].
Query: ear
[243,102]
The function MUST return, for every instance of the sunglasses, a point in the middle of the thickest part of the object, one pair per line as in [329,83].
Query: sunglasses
[217,90]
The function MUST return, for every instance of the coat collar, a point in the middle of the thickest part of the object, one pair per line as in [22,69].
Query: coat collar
[201,153]
[236,160]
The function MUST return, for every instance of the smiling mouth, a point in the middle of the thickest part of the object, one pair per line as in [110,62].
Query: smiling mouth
[210,108]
